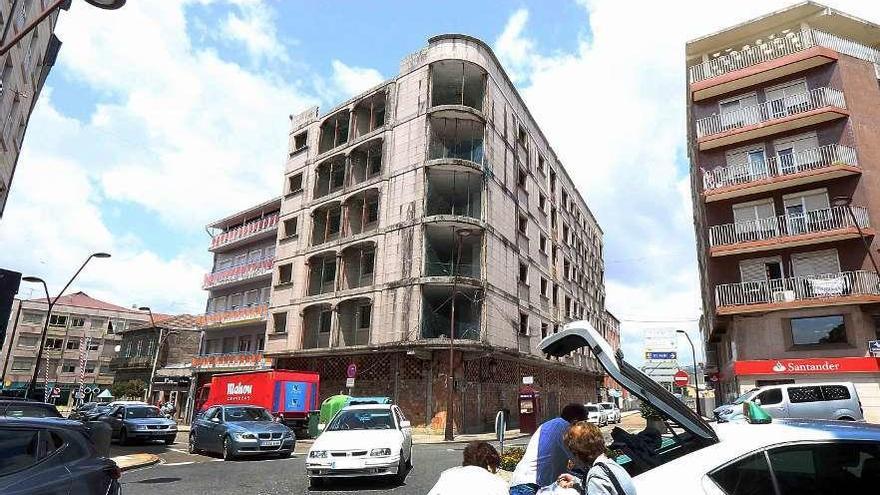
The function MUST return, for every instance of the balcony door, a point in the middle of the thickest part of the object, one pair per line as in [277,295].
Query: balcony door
[797,153]
[807,211]
[747,164]
[739,111]
[761,278]
[787,99]
[755,220]
[818,273]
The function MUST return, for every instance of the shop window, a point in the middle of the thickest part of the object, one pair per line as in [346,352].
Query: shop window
[818,330]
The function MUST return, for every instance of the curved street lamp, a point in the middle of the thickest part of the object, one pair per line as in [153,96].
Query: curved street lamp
[32,383]
[58,4]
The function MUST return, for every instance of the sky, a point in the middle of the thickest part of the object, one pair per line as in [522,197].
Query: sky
[163,116]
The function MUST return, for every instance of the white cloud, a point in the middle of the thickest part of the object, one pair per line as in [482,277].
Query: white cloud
[254,26]
[349,81]
[614,111]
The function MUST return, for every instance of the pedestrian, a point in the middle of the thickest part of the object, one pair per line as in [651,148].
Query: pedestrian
[593,473]
[475,475]
[546,456]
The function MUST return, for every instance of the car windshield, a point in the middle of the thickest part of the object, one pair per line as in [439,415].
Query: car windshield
[102,409]
[591,408]
[742,398]
[25,410]
[142,412]
[247,414]
[605,406]
[362,419]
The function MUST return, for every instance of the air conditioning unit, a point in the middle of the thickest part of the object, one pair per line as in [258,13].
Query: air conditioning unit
[783,296]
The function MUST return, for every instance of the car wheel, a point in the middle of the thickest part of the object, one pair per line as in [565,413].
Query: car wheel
[228,453]
[285,455]
[401,469]
[846,418]
[169,440]
[409,460]
[316,482]
[192,444]
[123,437]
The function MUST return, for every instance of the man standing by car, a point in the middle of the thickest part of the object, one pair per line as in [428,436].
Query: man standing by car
[546,456]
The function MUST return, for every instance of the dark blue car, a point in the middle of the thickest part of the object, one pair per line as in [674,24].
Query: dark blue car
[49,455]
[240,430]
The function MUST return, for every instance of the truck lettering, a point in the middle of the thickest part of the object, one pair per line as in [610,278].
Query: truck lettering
[238,389]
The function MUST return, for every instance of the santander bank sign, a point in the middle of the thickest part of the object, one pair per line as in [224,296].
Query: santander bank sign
[807,366]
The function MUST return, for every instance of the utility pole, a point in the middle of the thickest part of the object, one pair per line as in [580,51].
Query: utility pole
[696,374]
[457,236]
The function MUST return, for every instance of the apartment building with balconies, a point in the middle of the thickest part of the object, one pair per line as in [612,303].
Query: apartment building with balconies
[239,287]
[25,68]
[80,344]
[782,119]
[431,206]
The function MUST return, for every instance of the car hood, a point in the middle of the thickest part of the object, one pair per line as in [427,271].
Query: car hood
[150,421]
[358,440]
[257,426]
[579,334]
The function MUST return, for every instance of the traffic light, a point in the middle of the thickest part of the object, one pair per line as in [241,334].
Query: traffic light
[9,282]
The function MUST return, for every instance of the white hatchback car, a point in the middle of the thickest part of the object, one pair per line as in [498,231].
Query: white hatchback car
[612,411]
[596,415]
[787,456]
[362,440]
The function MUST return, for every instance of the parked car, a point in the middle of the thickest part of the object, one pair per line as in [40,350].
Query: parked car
[596,415]
[838,400]
[235,430]
[612,411]
[24,408]
[784,456]
[51,455]
[362,440]
[139,422]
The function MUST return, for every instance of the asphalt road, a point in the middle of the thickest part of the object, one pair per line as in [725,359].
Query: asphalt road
[181,473]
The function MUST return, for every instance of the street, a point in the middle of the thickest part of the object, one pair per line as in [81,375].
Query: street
[182,473]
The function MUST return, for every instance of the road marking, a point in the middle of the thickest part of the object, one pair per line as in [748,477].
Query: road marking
[181,451]
[168,464]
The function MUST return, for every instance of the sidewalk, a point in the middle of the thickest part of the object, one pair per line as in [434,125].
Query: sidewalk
[132,461]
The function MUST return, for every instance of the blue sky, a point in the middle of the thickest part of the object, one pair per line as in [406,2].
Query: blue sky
[162,116]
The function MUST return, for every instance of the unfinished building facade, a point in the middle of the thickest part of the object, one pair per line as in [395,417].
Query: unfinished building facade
[430,207]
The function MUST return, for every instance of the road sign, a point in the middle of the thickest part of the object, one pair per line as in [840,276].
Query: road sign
[349,382]
[661,355]
[56,392]
[680,378]
[874,346]
[351,371]
[528,380]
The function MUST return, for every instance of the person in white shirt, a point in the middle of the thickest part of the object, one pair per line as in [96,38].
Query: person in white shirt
[546,456]
[475,475]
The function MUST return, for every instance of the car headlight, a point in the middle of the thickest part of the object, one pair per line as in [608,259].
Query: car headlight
[140,427]
[288,434]
[245,436]
[380,452]
[317,454]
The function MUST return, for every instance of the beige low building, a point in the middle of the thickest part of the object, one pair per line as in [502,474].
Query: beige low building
[433,205]
[80,326]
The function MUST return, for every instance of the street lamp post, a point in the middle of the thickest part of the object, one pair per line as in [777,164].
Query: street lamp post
[846,202]
[696,374]
[32,383]
[448,434]
[101,4]
[155,356]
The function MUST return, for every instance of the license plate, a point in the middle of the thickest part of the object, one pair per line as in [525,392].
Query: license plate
[270,443]
[348,464]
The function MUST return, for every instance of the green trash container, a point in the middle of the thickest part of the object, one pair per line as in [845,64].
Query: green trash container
[314,419]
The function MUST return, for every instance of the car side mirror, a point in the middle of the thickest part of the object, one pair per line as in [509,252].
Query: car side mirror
[405,424]
[215,420]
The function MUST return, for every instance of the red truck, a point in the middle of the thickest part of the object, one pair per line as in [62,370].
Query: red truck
[289,394]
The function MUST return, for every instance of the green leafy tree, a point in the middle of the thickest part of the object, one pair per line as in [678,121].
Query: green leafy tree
[129,388]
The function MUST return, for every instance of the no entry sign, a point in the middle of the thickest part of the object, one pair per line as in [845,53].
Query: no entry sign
[680,378]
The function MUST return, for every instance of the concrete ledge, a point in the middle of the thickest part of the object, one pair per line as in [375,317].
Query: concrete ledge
[134,461]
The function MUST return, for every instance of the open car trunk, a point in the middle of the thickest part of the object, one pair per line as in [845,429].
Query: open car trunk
[641,451]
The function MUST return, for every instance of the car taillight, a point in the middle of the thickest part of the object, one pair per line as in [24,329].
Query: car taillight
[113,471]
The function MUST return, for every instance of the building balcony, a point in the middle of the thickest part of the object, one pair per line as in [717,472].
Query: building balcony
[786,231]
[135,362]
[237,316]
[264,227]
[831,289]
[778,172]
[777,55]
[248,271]
[771,117]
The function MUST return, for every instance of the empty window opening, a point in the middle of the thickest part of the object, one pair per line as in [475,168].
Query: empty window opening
[369,114]
[334,132]
[354,322]
[322,274]
[299,141]
[457,82]
[456,138]
[451,251]
[330,176]
[285,273]
[317,326]
[295,183]
[438,312]
[366,162]
[291,227]
[454,192]
[326,223]
[358,264]
[362,212]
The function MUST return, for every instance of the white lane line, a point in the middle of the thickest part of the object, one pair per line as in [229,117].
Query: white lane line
[181,451]
[169,464]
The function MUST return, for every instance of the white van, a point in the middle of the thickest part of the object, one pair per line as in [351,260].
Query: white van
[838,400]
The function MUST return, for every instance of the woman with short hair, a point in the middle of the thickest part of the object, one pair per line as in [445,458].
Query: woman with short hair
[475,475]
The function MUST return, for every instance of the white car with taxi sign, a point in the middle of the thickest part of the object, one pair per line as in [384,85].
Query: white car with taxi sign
[362,440]
[785,456]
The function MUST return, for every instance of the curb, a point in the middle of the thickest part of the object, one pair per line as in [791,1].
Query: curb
[134,461]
